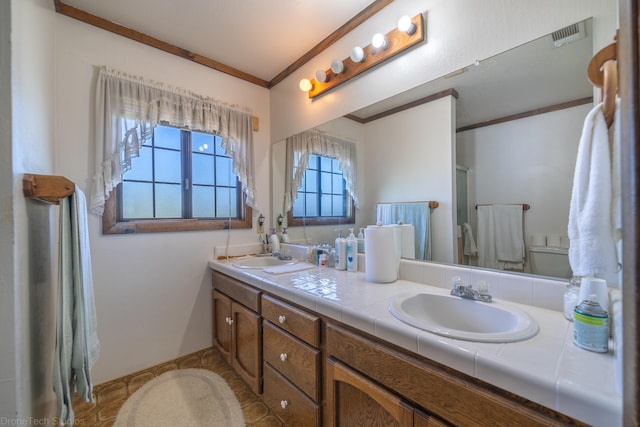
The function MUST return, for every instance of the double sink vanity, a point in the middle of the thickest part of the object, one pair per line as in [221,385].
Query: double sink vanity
[326,347]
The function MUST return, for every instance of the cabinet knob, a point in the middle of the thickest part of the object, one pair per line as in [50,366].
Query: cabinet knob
[281,319]
[229,320]
[283,404]
[283,356]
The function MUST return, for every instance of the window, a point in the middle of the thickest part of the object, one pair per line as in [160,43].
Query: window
[322,197]
[182,180]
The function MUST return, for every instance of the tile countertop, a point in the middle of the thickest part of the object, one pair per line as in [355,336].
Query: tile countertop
[548,368]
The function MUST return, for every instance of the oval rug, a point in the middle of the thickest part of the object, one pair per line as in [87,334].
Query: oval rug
[185,397]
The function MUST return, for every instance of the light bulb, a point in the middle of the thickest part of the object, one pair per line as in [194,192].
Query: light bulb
[357,54]
[321,76]
[337,66]
[406,25]
[305,85]
[379,41]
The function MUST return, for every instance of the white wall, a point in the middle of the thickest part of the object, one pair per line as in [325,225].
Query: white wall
[410,156]
[152,291]
[457,33]
[32,133]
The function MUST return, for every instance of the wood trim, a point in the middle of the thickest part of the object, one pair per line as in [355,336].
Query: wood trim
[426,99]
[47,188]
[327,220]
[354,22]
[529,113]
[88,18]
[110,224]
[129,33]
[629,83]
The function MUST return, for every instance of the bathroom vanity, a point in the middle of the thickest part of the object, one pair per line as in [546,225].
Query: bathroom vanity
[330,353]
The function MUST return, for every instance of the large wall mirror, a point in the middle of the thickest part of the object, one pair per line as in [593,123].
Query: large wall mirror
[503,130]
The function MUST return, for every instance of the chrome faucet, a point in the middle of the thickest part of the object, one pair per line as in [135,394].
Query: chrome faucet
[467,292]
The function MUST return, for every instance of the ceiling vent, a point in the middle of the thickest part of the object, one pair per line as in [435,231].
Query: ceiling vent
[568,34]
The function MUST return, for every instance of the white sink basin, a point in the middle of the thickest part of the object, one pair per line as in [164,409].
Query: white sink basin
[464,319]
[262,262]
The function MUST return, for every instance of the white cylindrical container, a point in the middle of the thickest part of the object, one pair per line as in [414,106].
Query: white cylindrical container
[380,252]
[341,252]
[352,252]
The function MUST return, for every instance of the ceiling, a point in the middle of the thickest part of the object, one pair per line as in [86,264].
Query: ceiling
[266,38]
[261,38]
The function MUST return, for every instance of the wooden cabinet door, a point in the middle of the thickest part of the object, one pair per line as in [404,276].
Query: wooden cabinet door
[354,400]
[221,315]
[246,345]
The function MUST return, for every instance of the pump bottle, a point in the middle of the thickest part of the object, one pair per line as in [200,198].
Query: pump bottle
[341,252]
[352,252]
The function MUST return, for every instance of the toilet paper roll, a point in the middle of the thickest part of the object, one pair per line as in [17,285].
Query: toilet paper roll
[538,240]
[381,253]
[553,240]
[590,286]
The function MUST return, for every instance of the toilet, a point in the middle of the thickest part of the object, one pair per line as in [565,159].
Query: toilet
[550,261]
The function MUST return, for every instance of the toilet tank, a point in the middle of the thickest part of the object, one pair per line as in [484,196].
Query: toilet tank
[549,261]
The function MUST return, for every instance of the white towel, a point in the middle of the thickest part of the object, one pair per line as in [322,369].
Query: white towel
[470,247]
[486,238]
[77,345]
[509,234]
[592,249]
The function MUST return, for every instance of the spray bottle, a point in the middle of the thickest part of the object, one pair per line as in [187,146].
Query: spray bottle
[352,252]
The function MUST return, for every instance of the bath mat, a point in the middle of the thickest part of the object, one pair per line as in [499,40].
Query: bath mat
[185,397]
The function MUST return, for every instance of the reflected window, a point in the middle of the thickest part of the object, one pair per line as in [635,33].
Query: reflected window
[180,174]
[322,197]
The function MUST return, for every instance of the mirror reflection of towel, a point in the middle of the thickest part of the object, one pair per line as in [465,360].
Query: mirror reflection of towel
[500,237]
[469,246]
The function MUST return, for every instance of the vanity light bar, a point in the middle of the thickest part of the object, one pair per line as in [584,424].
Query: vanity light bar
[397,41]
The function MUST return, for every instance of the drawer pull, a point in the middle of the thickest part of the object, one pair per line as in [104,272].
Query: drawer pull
[284,404]
[281,319]
[229,320]
[283,356]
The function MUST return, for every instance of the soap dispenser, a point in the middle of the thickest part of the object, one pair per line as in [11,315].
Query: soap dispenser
[352,252]
[341,252]
[361,241]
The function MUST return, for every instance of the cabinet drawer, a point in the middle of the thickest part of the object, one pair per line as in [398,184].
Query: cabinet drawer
[244,294]
[297,361]
[298,322]
[291,405]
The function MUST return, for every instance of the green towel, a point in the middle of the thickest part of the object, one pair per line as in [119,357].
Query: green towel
[77,345]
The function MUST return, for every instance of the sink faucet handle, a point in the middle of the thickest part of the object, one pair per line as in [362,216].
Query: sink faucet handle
[483,287]
[457,282]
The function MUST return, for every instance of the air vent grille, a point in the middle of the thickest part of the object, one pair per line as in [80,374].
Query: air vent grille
[568,34]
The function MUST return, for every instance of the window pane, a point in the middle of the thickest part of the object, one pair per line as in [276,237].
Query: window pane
[201,142]
[325,205]
[168,166]
[338,206]
[325,163]
[226,203]
[298,206]
[335,166]
[311,204]
[203,202]
[168,201]
[325,185]
[224,172]
[167,137]
[202,169]
[218,143]
[141,166]
[137,200]
[311,180]
[338,184]
[313,162]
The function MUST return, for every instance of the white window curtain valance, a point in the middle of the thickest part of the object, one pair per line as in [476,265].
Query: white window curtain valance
[314,141]
[126,111]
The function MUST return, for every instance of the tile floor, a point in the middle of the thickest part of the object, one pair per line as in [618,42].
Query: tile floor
[110,396]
